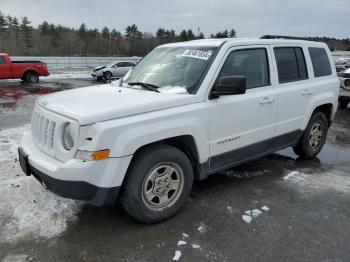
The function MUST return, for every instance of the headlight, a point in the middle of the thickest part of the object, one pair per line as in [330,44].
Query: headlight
[347,84]
[68,138]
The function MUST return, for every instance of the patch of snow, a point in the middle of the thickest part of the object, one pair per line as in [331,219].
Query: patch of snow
[255,213]
[173,90]
[324,180]
[177,255]
[247,218]
[294,176]
[202,228]
[16,258]
[26,209]
[185,235]
[265,208]
[181,243]
[249,215]
[195,246]
[9,142]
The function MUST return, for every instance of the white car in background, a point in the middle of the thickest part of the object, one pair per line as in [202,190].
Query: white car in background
[115,69]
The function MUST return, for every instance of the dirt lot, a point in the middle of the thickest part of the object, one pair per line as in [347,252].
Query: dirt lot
[307,218]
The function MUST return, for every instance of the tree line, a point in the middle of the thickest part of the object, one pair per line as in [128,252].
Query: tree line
[19,37]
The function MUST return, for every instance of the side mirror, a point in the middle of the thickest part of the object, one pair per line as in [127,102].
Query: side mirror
[229,85]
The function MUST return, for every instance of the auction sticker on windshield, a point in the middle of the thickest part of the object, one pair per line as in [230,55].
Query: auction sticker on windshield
[205,55]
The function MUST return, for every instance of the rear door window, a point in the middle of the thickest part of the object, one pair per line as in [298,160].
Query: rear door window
[291,64]
[320,62]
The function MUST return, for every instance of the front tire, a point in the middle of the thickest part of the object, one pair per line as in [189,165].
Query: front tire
[313,138]
[157,184]
[32,77]
[107,75]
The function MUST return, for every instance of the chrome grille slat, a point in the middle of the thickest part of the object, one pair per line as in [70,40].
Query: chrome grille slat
[40,130]
[43,131]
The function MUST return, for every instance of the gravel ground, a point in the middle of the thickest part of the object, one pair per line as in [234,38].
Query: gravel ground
[277,208]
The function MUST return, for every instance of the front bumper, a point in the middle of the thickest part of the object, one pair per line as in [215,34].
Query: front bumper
[78,190]
[97,74]
[97,182]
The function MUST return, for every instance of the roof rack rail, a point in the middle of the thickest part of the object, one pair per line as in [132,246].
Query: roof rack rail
[282,37]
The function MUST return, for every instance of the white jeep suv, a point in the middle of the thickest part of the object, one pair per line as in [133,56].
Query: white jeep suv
[186,111]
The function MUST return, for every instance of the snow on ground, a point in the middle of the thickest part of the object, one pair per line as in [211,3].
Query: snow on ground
[181,243]
[68,74]
[17,258]
[26,209]
[294,176]
[195,246]
[323,180]
[203,229]
[265,208]
[177,255]
[185,235]
[250,215]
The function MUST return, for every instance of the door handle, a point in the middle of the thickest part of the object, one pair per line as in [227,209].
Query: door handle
[306,92]
[267,100]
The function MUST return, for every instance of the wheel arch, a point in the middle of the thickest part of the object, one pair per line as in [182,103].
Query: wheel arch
[326,106]
[326,109]
[29,71]
[185,143]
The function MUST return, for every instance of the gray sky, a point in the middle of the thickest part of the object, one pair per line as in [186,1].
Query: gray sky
[250,18]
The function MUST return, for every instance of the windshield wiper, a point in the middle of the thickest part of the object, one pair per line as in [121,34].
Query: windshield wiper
[146,86]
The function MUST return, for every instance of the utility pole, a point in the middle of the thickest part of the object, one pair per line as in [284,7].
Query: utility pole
[198,30]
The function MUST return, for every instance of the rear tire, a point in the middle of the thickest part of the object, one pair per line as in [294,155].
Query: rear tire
[157,184]
[313,138]
[32,77]
[343,103]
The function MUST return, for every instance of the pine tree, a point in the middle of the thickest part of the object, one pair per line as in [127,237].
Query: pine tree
[183,35]
[233,33]
[3,23]
[27,32]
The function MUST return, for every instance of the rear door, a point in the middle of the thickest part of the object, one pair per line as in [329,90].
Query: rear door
[295,91]
[128,66]
[5,68]
[242,126]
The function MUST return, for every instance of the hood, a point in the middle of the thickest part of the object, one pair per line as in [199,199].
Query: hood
[98,68]
[104,102]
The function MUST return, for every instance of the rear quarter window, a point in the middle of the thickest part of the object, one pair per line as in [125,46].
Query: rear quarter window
[2,60]
[320,61]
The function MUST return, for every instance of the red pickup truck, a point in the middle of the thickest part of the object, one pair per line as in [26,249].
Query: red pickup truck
[28,71]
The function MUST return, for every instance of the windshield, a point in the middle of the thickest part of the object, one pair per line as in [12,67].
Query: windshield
[112,64]
[168,67]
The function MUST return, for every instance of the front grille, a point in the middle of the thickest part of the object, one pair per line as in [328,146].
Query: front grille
[43,131]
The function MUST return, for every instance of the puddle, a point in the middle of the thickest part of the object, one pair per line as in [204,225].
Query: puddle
[331,154]
[11,93]
[17,98]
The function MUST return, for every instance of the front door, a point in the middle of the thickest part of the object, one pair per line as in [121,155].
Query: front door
[242,126]
[5,68]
